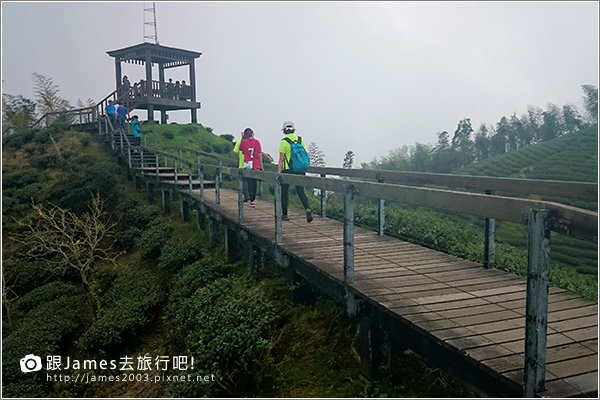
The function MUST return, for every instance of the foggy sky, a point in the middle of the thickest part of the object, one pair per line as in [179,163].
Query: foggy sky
[362,76]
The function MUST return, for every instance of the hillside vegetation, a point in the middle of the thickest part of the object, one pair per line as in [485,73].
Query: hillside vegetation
[170,292]
[572,157]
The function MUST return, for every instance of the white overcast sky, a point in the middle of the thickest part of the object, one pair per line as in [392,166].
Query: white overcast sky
[363,76]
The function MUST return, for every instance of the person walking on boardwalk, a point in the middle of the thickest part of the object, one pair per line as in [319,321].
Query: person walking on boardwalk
[252,152]
[285,166]
[240,155]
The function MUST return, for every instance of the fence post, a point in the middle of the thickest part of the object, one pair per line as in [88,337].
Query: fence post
[323,200]
[351,302]
[121,140]
[175,165]
[278,210]
[489,245]
[190,178]
[218,188]
[536,321]
[201,176]
[240,179]
[166,201]
[381,214]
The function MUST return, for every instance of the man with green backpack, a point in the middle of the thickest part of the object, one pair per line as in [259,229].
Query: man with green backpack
[293,159]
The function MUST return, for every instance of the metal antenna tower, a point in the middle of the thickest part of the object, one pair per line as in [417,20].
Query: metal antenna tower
[151,23]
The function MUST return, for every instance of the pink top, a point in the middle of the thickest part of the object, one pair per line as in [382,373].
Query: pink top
[251,149]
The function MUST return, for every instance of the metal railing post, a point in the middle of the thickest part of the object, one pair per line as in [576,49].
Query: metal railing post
[536,311]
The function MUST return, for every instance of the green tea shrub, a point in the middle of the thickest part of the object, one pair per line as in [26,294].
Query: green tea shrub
[127,308]
[138,216]
[178,252]
[225,326]
[127,238]
[154,237]
[24,276]
[46,161]
[44,294]
[45,331]
[20,179]
[90,176]
[196,275]
[18,140]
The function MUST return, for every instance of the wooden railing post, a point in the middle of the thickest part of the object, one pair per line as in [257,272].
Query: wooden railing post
[190,178]
[323,200]
[538,253]
[489,249]
[278,210]
[381,217]
[351,303]
[381,214]
[201,177]
[218,188]
[175,169]
[240,179]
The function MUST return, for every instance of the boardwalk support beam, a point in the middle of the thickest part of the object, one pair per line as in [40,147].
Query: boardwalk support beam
[538,252]
[150,192]
[231,245]
[201,217]
[166,201]
[375,349]
[185,210]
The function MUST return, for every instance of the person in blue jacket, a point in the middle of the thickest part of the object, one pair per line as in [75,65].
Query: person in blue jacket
[137,130]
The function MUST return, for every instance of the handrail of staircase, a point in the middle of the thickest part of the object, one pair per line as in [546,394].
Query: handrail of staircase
[86,114]
[202,153]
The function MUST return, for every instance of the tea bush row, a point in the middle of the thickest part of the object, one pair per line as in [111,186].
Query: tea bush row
[128,308]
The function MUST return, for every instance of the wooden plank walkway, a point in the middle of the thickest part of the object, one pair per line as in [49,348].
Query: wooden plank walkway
[477,314]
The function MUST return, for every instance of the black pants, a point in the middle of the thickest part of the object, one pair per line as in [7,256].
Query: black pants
[285,194]
[251,188]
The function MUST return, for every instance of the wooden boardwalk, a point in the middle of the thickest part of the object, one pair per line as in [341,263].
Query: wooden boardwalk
[477,314]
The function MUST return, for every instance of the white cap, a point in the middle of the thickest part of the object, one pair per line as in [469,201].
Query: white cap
[288,125]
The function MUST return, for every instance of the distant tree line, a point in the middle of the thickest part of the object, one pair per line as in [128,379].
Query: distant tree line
[20,113]
[467,145]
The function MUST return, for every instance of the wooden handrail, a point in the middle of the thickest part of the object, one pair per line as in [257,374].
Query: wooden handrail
[579,190]
[569,220]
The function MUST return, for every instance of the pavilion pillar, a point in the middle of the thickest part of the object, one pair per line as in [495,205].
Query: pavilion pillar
[117,72]
[149,85]
[193,89]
